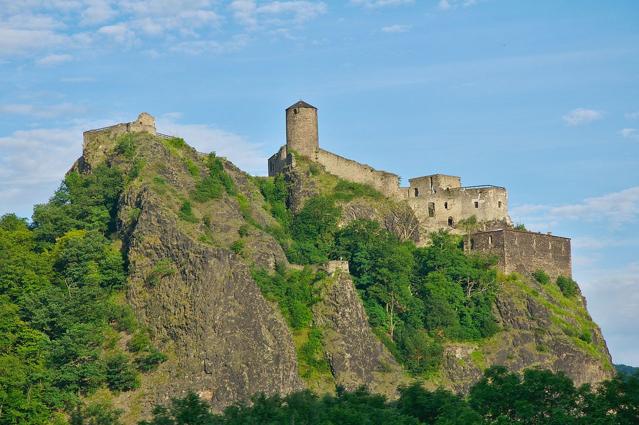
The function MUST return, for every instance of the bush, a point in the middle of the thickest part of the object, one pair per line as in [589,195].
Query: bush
[541,277]
[243,231]
[186,212]
[150,361]
[567,286]
[121,376]
[238,246]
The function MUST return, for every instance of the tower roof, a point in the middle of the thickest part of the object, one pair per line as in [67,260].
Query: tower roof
[301,104]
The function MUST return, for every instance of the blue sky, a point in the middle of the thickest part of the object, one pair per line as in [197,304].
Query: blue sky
[539,96]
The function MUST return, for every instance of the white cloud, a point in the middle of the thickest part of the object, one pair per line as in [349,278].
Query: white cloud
[629,133]
[17,41]
[54,59]
[614,209]
[451,4]
[396,28]
[581,116]
[255,15]
[121,32]
[33,162]
[613,302]
[206,138]
[381,3]
[632,115]
[41,111]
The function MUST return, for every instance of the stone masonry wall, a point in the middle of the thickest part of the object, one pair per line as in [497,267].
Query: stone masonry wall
[279,161]
[386,183]
[301,131]
[524,252]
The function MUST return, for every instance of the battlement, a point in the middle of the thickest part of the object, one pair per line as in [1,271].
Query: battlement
[525,252]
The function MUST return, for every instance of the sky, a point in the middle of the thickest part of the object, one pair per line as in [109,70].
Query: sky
[540,96]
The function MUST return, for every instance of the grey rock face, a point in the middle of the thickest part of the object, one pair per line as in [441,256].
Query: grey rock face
[229,341]
[356,355]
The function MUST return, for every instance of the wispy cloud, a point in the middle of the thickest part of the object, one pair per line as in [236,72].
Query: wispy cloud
[41,111]
[254,15]
[581,116]
[613,302]
[396,28]
[632,115]
[614,209]
[207,138]
[451,4]
[629,133]
[380,3]
[54,59]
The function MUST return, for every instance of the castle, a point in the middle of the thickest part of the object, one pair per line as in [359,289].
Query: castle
[439,201]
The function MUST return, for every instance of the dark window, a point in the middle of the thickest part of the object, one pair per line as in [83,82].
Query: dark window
[295,111]
[431,209]
[472,244]
[476,204]
[451,222]
[446,205]
[416,192]
[499,204]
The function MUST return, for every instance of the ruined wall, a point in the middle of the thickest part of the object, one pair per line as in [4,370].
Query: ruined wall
[97,143]
[386,183]
[444,208]
[525,252]
[487,203]
[279,161]
[420,186]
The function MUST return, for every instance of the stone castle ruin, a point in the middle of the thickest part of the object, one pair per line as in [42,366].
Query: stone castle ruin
[439,201]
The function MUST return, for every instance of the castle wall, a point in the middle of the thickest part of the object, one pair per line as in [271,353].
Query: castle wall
[97,143]
[301,130]
[487,203]
[524,252]
[444,208]
[279,161]
[386,183]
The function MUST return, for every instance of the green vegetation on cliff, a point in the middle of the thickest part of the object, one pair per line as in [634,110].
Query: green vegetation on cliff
[62,317]
[539,397]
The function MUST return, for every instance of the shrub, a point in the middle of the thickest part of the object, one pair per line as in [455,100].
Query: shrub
[126,146]
[238,246]
[243,230]
[541,277]
[186,212]
[150,361]
[567,286]
[119,373]
[163,268]
[191,167]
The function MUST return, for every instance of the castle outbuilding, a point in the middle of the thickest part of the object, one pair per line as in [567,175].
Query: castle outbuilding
[439,201]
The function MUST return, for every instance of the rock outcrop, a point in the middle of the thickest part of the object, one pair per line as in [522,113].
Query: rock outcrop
[355,354]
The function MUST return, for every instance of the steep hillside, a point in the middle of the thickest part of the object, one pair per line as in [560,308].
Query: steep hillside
[228,285]
[195,231]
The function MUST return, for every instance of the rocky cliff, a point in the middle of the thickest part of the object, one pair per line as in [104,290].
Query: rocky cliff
[190,283]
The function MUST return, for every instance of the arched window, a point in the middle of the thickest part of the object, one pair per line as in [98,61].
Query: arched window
[416,192]
[451,222]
